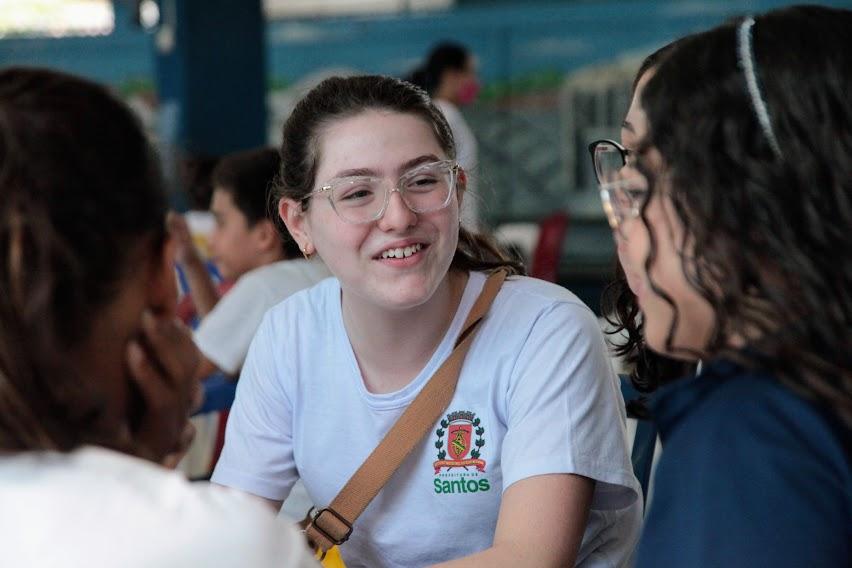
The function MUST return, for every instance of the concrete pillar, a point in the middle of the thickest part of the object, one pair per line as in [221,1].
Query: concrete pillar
[211,76]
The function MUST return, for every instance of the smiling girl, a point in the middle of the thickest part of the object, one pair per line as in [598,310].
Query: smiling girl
[528,466]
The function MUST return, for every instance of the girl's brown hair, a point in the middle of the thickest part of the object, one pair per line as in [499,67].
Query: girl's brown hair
[80,190]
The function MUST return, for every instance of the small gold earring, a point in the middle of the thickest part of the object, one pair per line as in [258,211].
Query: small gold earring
[305,252]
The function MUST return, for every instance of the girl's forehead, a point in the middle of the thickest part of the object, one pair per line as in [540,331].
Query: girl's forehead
[369,120]
[635,124]
[379,140]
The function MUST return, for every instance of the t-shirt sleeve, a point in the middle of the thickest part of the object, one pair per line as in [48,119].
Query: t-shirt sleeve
[565,413]
[225,334]
[758,482]
[258,452]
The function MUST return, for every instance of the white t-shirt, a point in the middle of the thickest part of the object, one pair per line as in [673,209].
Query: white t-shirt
[467,155]
[95,508]
[536,395]
[225,334]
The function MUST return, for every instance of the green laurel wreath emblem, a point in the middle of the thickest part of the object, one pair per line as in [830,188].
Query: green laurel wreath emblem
[479,442]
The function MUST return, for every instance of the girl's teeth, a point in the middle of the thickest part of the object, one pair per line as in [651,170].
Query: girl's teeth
[402,252]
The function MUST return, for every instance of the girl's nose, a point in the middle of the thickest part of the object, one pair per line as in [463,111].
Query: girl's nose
[398,216]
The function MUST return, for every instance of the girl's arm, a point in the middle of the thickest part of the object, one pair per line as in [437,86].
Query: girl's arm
[541,523]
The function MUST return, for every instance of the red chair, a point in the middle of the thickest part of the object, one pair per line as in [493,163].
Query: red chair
[548,250]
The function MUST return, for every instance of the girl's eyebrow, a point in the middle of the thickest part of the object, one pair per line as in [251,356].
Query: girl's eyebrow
[355,172]
[627,125]
[424,159]
[358,172]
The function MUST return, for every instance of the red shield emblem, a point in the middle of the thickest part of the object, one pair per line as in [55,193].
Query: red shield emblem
[458,440]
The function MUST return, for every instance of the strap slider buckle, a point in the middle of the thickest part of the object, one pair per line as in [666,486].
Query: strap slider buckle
[314,523]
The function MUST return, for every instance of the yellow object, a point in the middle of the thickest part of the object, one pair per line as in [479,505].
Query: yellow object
[332,558]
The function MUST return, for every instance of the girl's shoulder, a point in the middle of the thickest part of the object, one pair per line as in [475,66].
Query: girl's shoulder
[753,413]
[525,295]
[315,300]
[122,499]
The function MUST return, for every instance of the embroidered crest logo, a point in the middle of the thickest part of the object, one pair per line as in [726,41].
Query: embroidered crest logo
[457,431]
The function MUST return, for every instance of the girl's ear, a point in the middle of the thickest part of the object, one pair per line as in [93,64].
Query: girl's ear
[461,184]
[162,281]
[294,217]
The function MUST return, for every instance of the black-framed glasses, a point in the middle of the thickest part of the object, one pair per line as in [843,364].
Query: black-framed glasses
[608,158]
[363,199]
[623,188]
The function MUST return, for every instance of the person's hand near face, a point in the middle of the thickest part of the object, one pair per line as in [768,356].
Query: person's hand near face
[185,250]
[162,365]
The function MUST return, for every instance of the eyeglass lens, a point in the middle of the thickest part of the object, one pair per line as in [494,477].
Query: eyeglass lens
[363,199]
[622,191]
[608,160]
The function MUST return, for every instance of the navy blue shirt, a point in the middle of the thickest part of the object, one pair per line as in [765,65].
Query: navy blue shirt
[751,474]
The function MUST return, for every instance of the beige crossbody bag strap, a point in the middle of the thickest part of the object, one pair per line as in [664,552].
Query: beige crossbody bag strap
[333,524]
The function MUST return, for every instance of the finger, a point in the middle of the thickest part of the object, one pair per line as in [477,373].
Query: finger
[179,230]
[187,435]
[174,351]
[176,220]
[171,461]
[197,396]
[154,389]
[163,412]
[173,224]
[171,346]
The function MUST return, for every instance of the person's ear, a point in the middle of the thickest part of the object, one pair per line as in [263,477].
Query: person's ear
[461,184]
[297,222]
[162,284]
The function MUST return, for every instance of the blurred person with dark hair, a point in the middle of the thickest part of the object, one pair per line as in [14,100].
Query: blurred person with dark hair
[96,375]
[450,76]
[265,266]
[734,213]
[195,179]
[647,368]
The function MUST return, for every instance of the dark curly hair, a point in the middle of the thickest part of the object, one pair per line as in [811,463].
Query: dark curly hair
[769,234]
[337,98]
[80,194]
[648,370]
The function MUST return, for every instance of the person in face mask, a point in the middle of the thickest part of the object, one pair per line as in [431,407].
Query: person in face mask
[449,75]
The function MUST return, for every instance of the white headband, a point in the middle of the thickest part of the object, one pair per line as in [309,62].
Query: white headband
[747,63]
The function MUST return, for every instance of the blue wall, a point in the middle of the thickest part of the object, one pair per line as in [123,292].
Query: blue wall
[519,45]
[511,40]
[126,56]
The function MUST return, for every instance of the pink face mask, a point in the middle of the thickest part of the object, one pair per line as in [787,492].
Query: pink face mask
[468,91]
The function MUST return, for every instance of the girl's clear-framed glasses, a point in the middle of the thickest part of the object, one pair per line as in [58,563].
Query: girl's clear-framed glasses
[363,199]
